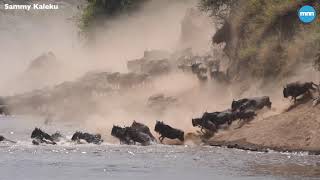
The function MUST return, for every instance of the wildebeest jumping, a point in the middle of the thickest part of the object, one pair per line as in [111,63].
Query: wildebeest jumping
[219,118]
[40,136]
[204,124]
[212,121]
[167,131]
[89,138]
[254,104]
[296,89]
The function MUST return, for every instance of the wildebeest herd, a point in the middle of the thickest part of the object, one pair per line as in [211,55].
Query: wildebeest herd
[243,110]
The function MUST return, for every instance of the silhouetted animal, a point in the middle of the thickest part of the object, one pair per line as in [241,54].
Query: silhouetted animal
[254,104]
[2,138]
[39,136]
[4,110]
[167,131]
[138,136]
[142,128]
[131,135]
[296,89]
[204,124]
[121,134]
[89,138]
[219,118]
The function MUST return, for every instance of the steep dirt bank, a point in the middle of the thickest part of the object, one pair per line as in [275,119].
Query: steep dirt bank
[296,130]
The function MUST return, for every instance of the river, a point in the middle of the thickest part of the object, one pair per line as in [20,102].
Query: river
[113,161]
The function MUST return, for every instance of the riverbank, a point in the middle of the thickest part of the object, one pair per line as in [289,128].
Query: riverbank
[293,131]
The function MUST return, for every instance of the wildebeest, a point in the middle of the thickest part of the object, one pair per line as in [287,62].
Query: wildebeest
[167,131]
[254,104]
[4,110]
[131,135]
[296,89]
[89,138]
[204,124]
[219,118]
[212,121]
[39,136]
[121,134]
[2,138]
[142,128]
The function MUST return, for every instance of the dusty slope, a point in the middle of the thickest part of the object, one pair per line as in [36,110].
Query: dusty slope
[298,129]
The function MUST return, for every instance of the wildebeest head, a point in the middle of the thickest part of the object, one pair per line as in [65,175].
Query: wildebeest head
[158,126]
[196,122]
[36,133]
[235,105]
[118,132]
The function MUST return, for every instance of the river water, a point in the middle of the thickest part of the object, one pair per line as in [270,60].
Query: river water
[113,161]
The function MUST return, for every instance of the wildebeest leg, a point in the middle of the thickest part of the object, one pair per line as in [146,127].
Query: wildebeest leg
[294,99]
[202,130]
[161,138]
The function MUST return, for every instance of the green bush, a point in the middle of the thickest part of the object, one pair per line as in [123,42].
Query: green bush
[97,10]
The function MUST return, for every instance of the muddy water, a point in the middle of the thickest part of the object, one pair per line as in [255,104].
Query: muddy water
[112,161]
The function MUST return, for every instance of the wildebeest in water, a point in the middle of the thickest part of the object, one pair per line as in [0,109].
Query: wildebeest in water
[131,135]
[142,128]
[89,138]
[167,131]
[4,110]
[296,89]
[2,138]
[40,136]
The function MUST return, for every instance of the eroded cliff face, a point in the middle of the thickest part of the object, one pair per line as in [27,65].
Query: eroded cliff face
[266,40]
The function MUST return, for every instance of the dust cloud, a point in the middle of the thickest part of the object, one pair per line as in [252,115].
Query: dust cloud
[158,25]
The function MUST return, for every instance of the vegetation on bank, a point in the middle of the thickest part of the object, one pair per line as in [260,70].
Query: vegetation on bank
[97,10]
[265,38]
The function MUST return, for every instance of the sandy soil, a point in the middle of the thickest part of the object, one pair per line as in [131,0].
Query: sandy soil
[297,129]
